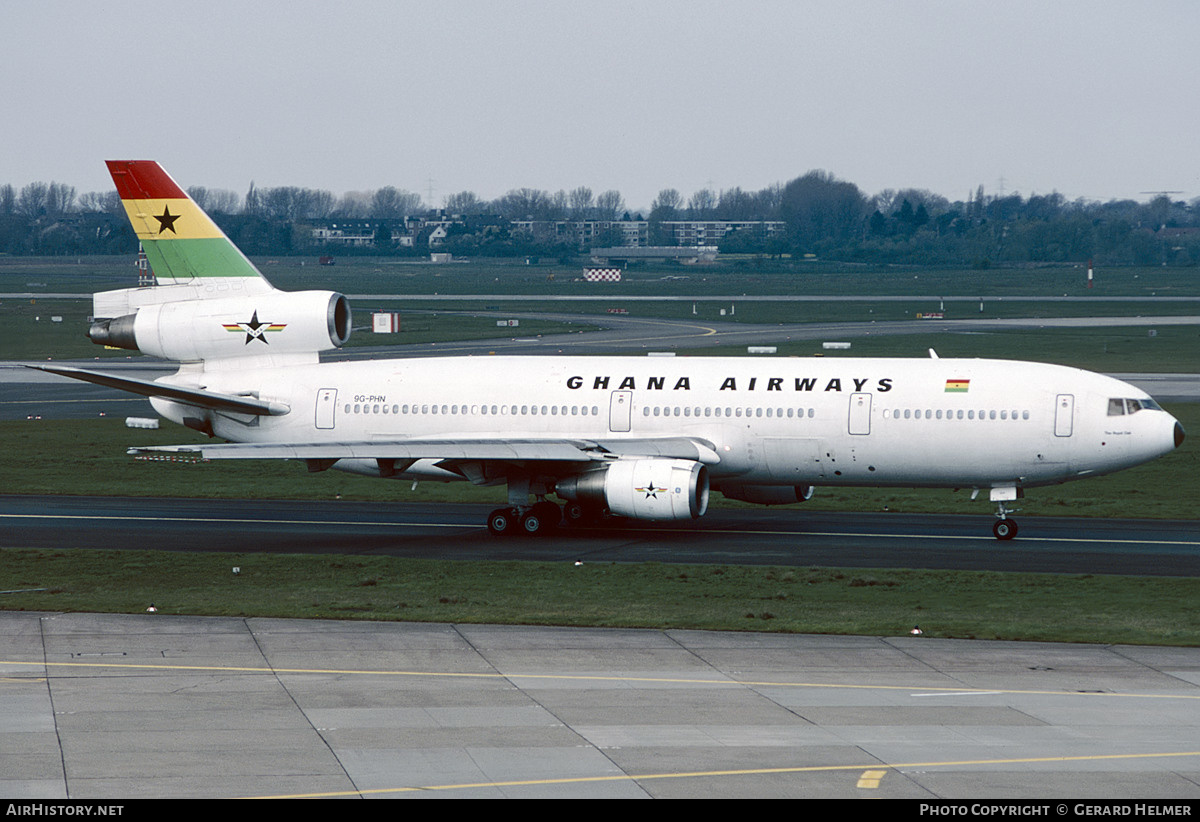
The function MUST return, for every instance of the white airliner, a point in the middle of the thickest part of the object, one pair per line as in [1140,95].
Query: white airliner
[645,438]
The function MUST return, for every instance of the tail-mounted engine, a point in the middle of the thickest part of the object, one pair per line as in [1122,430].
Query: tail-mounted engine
[650,489]
[276,322]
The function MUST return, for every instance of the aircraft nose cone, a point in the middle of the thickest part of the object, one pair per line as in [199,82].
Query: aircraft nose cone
[1178,435]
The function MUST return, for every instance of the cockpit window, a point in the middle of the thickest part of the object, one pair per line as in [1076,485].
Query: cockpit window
[1119,407]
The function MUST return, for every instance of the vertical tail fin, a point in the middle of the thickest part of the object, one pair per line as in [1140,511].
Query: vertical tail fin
[182,243]
[211,305]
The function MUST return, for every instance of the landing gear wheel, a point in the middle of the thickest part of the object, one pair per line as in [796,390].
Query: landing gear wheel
[502,521]
[1005,529]
[532,524]
[547,512]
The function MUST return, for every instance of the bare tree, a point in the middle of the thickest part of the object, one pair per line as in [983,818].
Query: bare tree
[464,202]
[354,205]
[735,204]
[581,203]
[666,205]
[524,204]
[103,202]
[390,202]
[609,205]
[223,201]
[559,207]
[31,202]
[215,200]
[702,204]
[60,198]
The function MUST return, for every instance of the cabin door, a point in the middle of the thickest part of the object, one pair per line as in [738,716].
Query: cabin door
[619,406]
[860,413]
[1064,414]
[326,407]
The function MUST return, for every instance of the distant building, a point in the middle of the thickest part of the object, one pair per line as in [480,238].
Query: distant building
[624,255]
[351,233]
[434,228]
[711,232]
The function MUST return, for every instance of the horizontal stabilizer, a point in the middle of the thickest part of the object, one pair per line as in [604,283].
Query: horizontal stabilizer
[188,396]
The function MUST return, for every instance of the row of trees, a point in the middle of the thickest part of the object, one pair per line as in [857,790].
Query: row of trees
[825,216]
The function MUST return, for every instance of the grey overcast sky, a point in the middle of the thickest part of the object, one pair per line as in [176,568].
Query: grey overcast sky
[1091,99]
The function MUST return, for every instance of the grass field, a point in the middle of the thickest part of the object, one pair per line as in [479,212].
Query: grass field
[1010,606]
[375,275]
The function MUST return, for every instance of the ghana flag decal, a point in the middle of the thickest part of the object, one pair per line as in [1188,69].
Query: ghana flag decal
[181,242]
[957,386]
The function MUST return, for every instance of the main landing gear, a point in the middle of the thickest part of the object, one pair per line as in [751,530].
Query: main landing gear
[537,519]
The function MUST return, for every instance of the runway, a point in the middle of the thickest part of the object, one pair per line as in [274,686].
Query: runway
[792,537]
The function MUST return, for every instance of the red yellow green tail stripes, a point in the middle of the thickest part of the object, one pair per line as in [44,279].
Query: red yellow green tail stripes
[181,242]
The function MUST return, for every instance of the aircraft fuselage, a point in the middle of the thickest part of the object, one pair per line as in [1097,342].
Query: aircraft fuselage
[793,421]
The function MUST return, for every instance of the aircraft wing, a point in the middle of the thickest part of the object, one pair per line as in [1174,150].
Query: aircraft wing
[190,396]
[508,450]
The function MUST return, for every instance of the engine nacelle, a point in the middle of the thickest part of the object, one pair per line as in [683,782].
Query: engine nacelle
[277,322]
[650,489]
[766,494]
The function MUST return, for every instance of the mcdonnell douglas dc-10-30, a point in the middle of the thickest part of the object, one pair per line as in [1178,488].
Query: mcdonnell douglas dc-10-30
[643,438]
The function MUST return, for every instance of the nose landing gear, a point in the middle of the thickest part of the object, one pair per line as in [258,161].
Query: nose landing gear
[1004,528]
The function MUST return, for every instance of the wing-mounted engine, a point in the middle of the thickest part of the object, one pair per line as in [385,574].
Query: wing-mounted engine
[649,489]
[766,494]
[275,322]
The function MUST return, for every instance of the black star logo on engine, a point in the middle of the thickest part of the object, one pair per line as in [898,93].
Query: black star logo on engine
[166,220]
[254,329]
[650,490]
